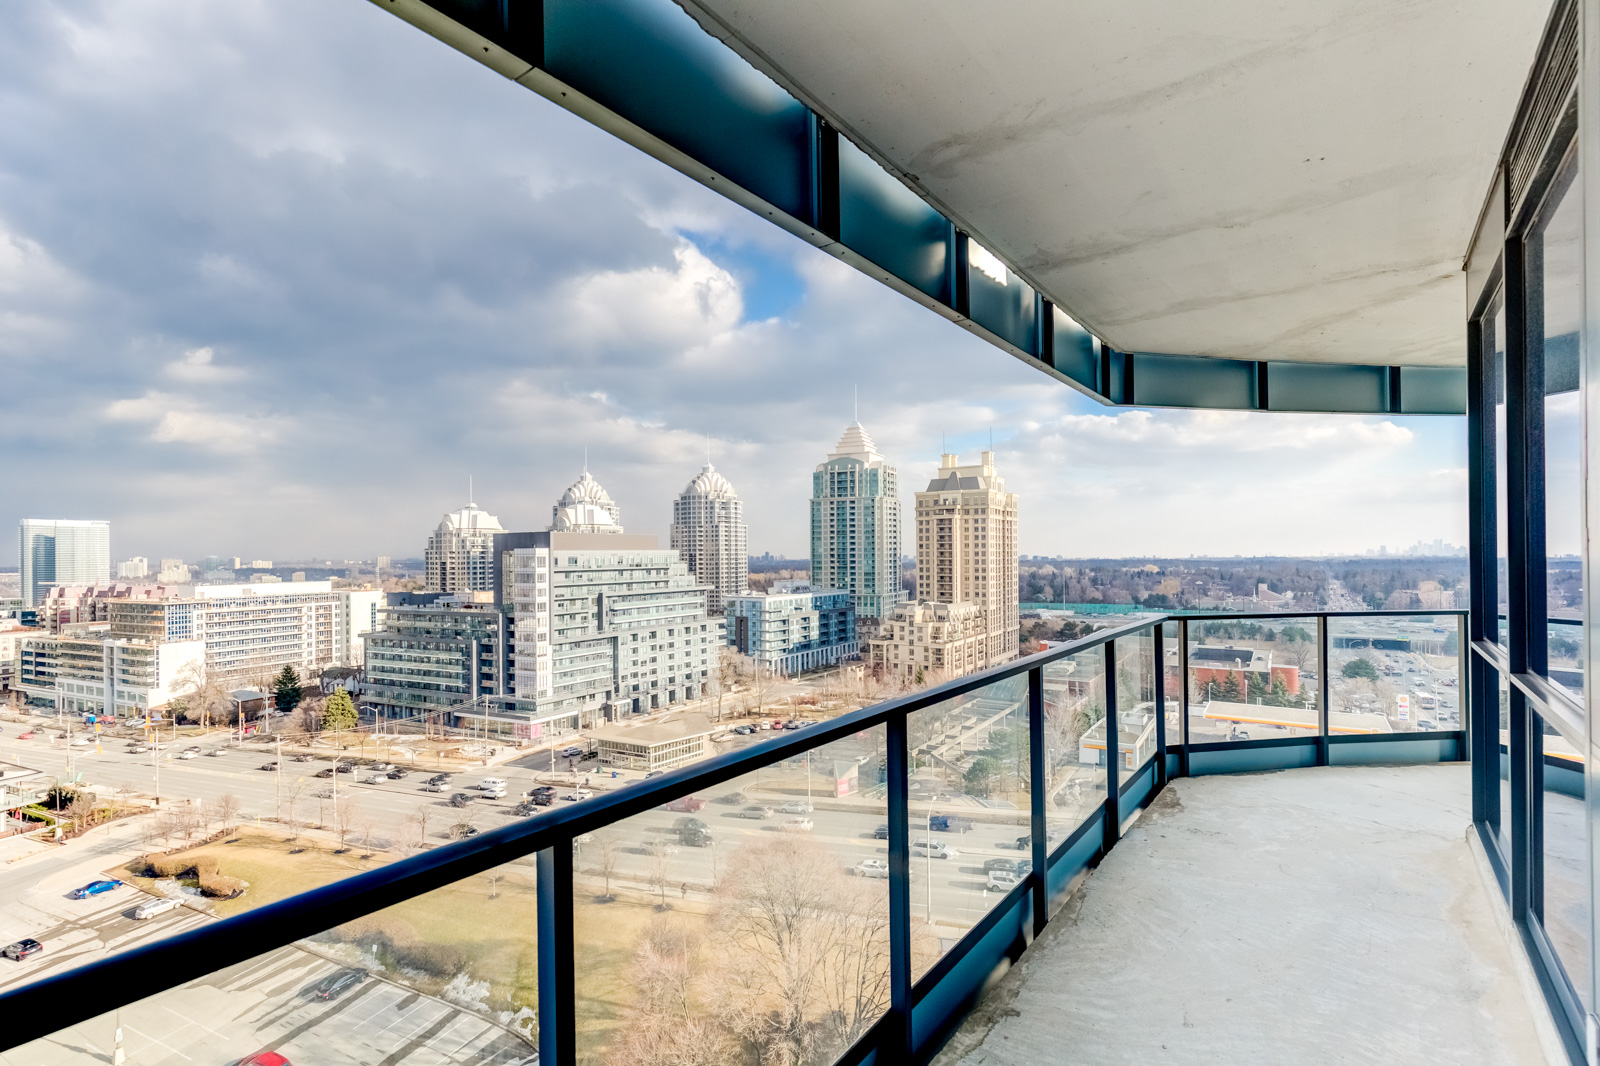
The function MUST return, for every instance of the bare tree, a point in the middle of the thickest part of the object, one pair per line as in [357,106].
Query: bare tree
[364,823]
[187,821]
[226,807]
[153,829]
[658,869]
[663,1023]
[346,812]
[81,812]
[608,853]
[416,829]
[727,674]
[295,793]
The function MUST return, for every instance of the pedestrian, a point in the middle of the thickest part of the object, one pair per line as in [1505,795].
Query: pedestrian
[683,891]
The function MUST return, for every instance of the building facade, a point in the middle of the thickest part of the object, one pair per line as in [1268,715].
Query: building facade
[434,653]
[927,642]
[148,650]
[855,525]
[794,627]
[62,551]
[460,552]
[133,569]
[709,534]
[603,622]
[966,536]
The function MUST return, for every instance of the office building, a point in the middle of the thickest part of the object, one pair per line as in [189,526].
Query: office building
[708,533]
[793,627]
[855,524]
[460,552]
[134,568]
[966,537]
[62,551]
[925,642]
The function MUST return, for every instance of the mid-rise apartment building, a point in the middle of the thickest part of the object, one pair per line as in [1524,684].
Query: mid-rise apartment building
[709,533]
[793,627]
[603,621]
[148,650]
[62,551]
[926,642]
[460,553]
[435,652]
[966,536]
[855,524]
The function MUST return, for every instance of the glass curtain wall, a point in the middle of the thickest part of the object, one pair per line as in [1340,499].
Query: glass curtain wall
[1531,398]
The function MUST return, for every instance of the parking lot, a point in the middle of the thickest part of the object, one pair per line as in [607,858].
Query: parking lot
[265,1004]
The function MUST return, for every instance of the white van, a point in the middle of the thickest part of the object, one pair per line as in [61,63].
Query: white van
[490,784]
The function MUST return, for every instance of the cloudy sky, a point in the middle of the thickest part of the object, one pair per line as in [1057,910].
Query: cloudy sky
[276,293]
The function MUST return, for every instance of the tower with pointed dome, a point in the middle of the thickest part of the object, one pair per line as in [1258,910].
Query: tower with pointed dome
[855,525]
[709,533]
[585,508]
[460,553]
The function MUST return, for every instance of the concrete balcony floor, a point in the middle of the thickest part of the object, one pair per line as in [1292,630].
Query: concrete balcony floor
[1335,915]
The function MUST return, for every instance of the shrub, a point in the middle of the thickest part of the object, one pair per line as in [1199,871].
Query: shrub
[213,882]
[436,960]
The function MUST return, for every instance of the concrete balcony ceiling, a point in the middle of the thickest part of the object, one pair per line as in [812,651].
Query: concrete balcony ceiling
[1293,181]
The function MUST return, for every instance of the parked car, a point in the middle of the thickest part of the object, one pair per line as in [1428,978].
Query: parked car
[461,830]
[268,766]
[796,825]
[794,723]
[577,795]
[690,804]
[697,838]
[742,730]
[345,768]
[950,823]
[871,868]
[435,786]
[326,771]
[756,810]
[1008,865]
[933,848]
[760,726]
[571,753]
[95,888]
[337,984]
[323,793]
[796,807]
[263,1058]
[460,799]
[1002,880]
[152,907]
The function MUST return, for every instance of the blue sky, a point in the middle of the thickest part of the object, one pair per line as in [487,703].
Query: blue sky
[280,294]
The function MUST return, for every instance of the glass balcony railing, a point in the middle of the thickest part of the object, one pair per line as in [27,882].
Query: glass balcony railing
[834,893]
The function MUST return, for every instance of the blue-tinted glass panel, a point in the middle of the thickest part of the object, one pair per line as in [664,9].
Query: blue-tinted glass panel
[887,223]
[1566,851]
[1074,350]
[1495,345]
[1395,674]
[1001,302]
[1074,742]
[970,821]
[1558,244]
[652,64]
[1252,679]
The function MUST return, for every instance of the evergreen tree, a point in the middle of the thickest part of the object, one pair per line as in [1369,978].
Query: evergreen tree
[340,712]
[1256,686]
[286,690]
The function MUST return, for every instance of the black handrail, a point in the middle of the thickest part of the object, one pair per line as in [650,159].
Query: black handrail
[61,1000]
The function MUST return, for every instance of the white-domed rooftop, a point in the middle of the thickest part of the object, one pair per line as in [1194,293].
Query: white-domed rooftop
[471,518]
[709,483]
[586,508]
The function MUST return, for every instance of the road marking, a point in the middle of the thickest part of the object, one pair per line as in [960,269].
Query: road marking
[190,1021]
[163,1043]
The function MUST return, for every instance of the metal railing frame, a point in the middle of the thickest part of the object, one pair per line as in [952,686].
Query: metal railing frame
[62,1000]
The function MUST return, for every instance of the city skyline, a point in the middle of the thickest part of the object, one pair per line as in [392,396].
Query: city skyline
[270,314]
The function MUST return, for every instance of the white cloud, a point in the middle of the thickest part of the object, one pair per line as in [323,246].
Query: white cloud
[678,309]
[178,420]
[199,365]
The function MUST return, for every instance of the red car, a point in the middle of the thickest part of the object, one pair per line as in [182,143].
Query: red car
[688,804]
[29,735]
[264,1058]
